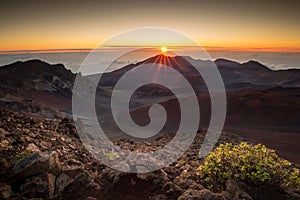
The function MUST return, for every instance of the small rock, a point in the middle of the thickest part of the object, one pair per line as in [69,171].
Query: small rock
[32,148]
[4,144]
[5,191]
[72,146]
[4,164]
[187,183]
[172,190]
[62,181]
[190,195]
[195,186]
[45,144]
[72,168]
[292,193]
[159,197]
[29,139]
[4,132]
[91,198]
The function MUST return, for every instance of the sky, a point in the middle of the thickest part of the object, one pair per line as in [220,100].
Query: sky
[232,25]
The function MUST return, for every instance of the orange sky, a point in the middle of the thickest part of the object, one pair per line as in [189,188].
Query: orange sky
[233,25]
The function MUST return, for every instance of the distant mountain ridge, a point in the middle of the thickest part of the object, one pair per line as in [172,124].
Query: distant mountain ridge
[51,85]
[257,73]
[37,75]
[236,76]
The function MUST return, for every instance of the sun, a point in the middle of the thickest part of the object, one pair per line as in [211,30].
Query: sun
[163,50]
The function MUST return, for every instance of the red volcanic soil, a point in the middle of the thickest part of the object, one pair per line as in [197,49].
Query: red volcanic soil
[270,117]
[57,102]
[285,143]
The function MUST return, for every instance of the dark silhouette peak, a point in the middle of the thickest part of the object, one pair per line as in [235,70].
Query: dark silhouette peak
[255,65]
[34,66]
[37,75]
[225,62]
[253,62]
[35,61]
[187,57]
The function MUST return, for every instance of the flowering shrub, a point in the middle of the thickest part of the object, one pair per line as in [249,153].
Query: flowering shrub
[251,164]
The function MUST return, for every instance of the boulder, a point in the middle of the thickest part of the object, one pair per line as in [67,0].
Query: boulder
[40,186]
[72,167]
[204,195]
[62,181]
[37,163]
[236,191]
[292,193]
[172,190]
[32,148]
[83,186]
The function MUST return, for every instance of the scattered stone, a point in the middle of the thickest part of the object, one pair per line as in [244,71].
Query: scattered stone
[70,172]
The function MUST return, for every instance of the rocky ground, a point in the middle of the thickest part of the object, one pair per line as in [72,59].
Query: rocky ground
[44,159]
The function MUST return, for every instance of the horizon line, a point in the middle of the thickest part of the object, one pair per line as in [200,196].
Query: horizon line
[207,48]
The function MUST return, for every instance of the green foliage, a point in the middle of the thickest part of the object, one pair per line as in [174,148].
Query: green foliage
[182,162]
[111,155]
[251,164]
[22,155]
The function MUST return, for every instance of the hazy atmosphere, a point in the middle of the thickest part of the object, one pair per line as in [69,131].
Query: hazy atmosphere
[250,25]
